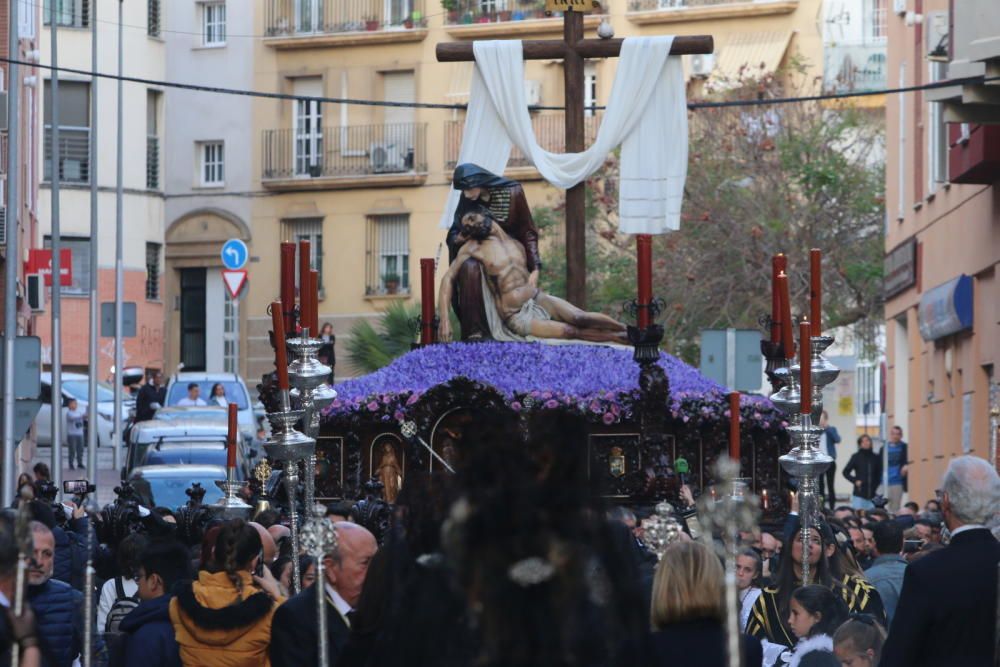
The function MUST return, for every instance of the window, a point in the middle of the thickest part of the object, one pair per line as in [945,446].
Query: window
[26,18]
[388,255]
[69,13]
[309,15]
[937,135]
[877,22]
[152,139]
[307,126]
[213,31]
[212,155]
[74,131]
[589,90]
[308,229]
[231,335]
[153,271]
[79,247]
[153,18]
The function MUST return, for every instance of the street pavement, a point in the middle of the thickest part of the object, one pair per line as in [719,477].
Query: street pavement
[107,477]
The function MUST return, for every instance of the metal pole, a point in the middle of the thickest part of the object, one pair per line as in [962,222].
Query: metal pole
[12,257]
[322,647]
[116,439]
[56,177]
[92,417]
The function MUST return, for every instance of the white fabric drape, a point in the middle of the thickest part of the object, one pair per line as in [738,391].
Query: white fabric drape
[646,115]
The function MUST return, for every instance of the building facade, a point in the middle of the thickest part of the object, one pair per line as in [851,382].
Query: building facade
[143,204]
[367,184]
[942,235]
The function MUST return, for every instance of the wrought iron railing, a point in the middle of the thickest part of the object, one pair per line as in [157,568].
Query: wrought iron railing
[292,18]
[74,156]
[652,5]
[358,150]
[153,18]
[69,13]
[468,12]
[152,162]
[854,67]
[550,131]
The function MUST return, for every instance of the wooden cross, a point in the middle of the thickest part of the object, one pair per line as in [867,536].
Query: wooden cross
[573,49]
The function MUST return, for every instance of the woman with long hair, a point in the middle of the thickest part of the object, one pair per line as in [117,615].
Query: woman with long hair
[769,616]
[218,396]
[688,610]
[224,618]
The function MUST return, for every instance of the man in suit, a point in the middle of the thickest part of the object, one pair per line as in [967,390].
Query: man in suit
[293,630]
[947,608]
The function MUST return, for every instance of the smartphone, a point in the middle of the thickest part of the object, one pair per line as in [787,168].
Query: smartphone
[77,487]
[912,546]
[258,571]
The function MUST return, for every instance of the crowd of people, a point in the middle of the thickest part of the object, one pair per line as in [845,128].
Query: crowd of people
[511,561]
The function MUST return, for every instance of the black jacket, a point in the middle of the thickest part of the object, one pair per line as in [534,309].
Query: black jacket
[293,631]
[865,466]
[150,640]
[698,643]
[947,608]
[149,394]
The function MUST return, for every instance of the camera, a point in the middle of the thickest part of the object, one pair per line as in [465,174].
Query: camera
[46,490]
[912,546]
[78,487]
[880,502]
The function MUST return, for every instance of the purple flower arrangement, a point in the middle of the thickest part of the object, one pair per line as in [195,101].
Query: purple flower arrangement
[599,382]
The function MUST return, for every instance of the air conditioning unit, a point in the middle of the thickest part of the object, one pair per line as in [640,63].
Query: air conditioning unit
[386,158]
[702,65]
[533,92]
[36,292]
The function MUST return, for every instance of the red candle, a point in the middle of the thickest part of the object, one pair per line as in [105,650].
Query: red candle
[304,298]
[786,317]
[231,440]
[734,425]
[644,260]
[426,301]
[805,364]
[280,354]
[778,264]
[288,284]
[314,303]
[815,289]
[763,495]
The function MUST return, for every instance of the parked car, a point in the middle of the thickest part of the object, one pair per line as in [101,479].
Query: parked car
[179,431]
[75,385]
[236,392]
[165,485]
[208,413]
[197,452]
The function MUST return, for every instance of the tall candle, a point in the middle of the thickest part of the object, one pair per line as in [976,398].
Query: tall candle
[232,437]
[763,495]
[304,291]
[786,317]
[288,284]
[778,264]
[815,289]
[644,266]
[805,366]
[314,302]
[426,301]
[734,425]
[280,353]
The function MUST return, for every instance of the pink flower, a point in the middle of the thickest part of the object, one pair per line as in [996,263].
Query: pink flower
[516,406]
[414,397]
[608,418]
[373,406]
[398,415]
[551,404]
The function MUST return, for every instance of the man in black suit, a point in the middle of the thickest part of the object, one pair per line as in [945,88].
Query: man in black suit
[151,397]
[947,608]
[293,630]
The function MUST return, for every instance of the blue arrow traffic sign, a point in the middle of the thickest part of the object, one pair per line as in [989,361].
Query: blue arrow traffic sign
[234,254]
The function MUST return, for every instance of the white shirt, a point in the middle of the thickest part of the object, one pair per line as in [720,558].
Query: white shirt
[747,600]
[339,603]
[220,401]
[108,597]
[188,402]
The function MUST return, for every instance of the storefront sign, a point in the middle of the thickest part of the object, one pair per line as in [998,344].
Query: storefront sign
[946,309]
[900,268]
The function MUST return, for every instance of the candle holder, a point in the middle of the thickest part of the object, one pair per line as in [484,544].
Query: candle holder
[823,372]
[661,529]
[773,353]
[319,539]
[309,375]
[646,341]
[230,505]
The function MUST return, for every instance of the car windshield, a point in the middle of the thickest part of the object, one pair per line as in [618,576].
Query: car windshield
[211,414]
[234,392]
[201,454]
[167,490]
[78,390]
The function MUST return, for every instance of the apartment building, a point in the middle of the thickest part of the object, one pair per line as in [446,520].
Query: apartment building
[209,181]
[143,204]
[367,184]
[942,240]
[28,139]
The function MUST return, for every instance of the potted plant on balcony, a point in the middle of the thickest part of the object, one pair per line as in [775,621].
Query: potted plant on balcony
[450,6]
[372,23]
[391,282]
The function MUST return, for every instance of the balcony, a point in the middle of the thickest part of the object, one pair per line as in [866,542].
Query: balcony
[476,19]
[645,12]
[854,67]
[304,24]
[550,131]
[386,155]
[74,156]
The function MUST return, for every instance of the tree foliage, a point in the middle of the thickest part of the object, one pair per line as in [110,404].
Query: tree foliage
[761,180]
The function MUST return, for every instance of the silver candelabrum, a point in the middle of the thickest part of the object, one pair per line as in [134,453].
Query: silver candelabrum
[308,377]
[230,505]
[319,538]
[805,461]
